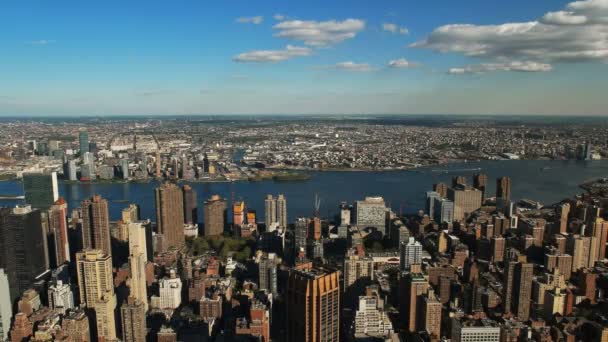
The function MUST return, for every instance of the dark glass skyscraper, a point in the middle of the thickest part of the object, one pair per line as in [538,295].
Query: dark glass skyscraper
[190,207]
[41,190]
[23,248]
[83,139]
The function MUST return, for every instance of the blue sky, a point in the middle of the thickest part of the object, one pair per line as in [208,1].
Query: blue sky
[299,57]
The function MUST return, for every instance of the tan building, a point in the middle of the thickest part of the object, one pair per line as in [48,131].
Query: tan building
[133,314]
[503,188]
[600,232]
[95,282]
[583,250]
[76,326]
[137,281]
[215,215]
[96,224]
[412,286]
[430,317]
[466,200]
[313,305]
[356,267]
[170,215]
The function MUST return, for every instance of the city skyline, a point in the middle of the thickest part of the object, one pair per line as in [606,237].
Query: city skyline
[517,57]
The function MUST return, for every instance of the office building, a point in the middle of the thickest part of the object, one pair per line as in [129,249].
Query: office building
[59,245]
[105,318]
[140,237]
[137,281]
[410,254]
[443,211]
[23,248]
[41,189]
[431,197]
[313,305]
[76,326]
[503,188]
[441,189]
[522,290]
[371,212]
[430,317]
[83,139]
[6,306]
[475,331]
[268,273]
[133,319]
[497,247]
[301,235]
[88,172]
[170,216]
[238,211]
[466,201]
[357,267]
[60,297]
[215,216]
[69,170]
[96,224]
[190,205]
[275,212]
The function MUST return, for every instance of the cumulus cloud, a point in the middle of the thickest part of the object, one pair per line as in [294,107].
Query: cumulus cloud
[319,33]
[272,56]
[352,66]
[279,17]
[577,34]
[394,28]
[250,20]
[401,63]
[507,66]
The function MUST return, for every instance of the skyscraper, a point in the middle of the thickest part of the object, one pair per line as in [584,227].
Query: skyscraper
[431,197]
[96,224]
[522,290]
[238,211]
[301,235]
[140,237]
[137,281]
[480,182]
[412,286]
[158,171]
[410,254]
[466,200]
[215,215]
[83,140]
[133,315]
[190,206]
[58,233]
[371,212]
[441,189]
[503,188]
[270,212]
[313,305]
[23,248]
[282,211]
[41,190]
[170,215]
[96,286]
[6,306]
[430,317]
[60,297]
[268,273]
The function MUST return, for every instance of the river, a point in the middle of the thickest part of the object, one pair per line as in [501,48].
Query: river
[544,181]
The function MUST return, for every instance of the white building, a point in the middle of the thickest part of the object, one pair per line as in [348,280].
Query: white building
[484,330]
[371,212]
[170,290]
[411,253]
[61,297]
[370,319]
[6,311]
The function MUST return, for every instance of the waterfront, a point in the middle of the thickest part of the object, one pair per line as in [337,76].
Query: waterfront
[545,181]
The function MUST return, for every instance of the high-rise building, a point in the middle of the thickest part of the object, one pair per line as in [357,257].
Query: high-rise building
[258,325]
[466,201]
[497,246]
[522,290]
[600,232]
[410,254]
[443,211]
[268,273]
[23,248]
[345,213]
[96,286]
[270,213]
[157,165]
[6,306]
[459,180]
[441,189]
[412,286]
[431,197]
[357,267]
[22,329]
[430,317]
[166,334]
[60,297]
[83,140]
[473,331]
[75,325]
[238,211]
[133,316]
[371,212]
[480,182]
[59,247]
[140,237]
[215,216]
[564,211]
[170,216]
[313,305]
[583,250]
[301,235]
[137,281]
[96,224]
[503,188]
[124,168]
[282,211]
[41,189]
[190,205]
[69,170]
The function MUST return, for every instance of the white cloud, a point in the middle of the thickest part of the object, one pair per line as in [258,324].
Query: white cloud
[578,34]
[250,20]
[41,42]
[319,33]
[279,17]
[272,56]
[394,28]
[507,66]
[352,66]
[401,63]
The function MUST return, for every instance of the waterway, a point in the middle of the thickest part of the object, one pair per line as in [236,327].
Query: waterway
[544,181]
